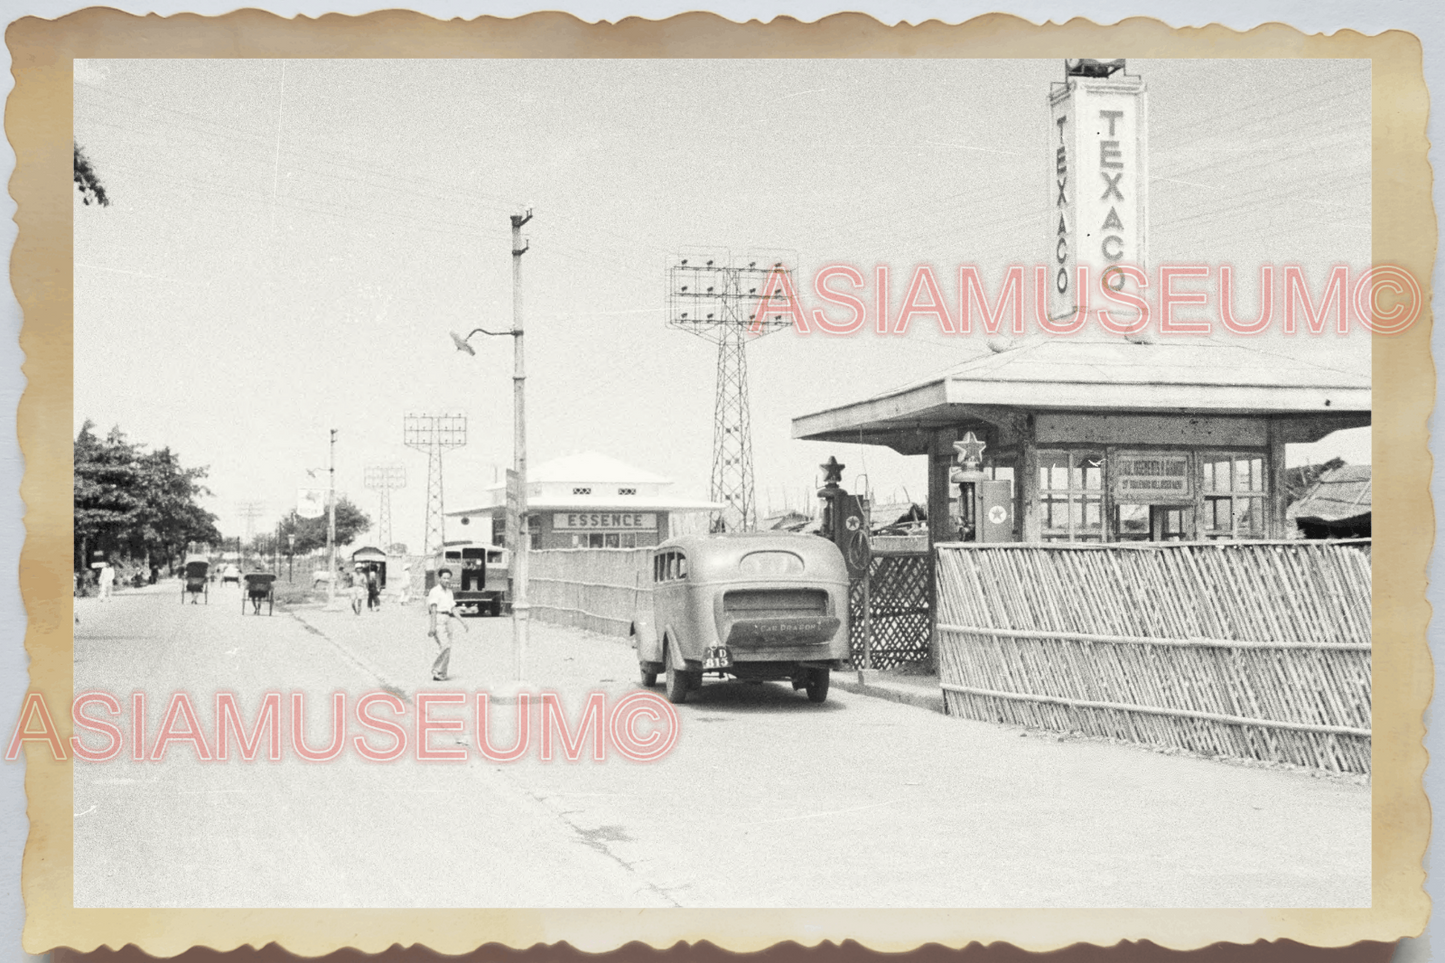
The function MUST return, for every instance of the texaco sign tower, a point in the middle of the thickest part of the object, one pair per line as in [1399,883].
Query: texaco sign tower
[1098,196]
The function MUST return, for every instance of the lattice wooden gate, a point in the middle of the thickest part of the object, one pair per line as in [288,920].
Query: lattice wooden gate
[897,626]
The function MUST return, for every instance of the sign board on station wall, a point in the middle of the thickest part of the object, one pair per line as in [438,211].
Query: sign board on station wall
[604,521]
[1151,478]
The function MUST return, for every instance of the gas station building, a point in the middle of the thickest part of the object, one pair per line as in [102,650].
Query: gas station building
[1103,439]
[587,500]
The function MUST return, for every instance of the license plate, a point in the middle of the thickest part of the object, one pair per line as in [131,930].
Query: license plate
[717,657]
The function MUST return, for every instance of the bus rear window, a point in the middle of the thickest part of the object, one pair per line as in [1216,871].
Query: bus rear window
[771,563]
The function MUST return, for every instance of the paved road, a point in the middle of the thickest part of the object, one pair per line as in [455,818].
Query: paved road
[766,801]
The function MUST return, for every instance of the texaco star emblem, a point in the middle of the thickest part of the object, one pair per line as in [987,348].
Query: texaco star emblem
[970,450]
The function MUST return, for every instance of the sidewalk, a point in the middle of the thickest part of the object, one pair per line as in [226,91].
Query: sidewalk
[922,691]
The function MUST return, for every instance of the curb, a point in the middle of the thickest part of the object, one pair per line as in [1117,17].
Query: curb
[908,695]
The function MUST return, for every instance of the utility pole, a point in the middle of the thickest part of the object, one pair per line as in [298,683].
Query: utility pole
[521,610]
[331,524]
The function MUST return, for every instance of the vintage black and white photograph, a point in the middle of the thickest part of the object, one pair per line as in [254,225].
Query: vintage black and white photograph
[734,483]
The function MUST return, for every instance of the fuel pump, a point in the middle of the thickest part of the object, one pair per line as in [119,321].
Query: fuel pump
[985,506]
[845,519]
[966,475]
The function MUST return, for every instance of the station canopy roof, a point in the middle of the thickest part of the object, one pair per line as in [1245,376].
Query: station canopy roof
[1104,374]
[590,467]
[639,503]
[368,553]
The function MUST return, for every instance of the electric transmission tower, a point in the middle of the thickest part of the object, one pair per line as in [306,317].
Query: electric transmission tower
[434,434]
[728,300]
[385,479]
[249,512]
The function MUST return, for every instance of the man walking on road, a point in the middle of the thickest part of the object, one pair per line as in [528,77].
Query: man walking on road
[107,581]
[373,590]
[442,615]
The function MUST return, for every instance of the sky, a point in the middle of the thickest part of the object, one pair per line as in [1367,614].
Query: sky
[289,243]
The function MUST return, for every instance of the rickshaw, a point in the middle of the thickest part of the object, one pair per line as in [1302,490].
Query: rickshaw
[260,588]
[196,582]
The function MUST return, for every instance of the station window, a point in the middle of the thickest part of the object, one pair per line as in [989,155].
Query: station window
[1233,490]
[1132,523]
[1071,496]
[604,540]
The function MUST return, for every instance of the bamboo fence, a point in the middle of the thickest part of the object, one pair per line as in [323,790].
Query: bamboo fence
[597,589]
[1255,650]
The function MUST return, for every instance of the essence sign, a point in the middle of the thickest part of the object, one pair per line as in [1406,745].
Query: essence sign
[1098,167]
[604,522]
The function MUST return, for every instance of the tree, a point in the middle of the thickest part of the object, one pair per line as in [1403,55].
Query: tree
[169,517]
[106,500]
[130,503]
[311,532]
[87,181]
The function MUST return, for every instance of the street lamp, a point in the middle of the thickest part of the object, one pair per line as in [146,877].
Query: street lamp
[330,522]
[521,610]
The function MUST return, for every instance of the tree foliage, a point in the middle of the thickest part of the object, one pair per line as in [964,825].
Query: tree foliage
[87,181]
[311,532]
[136,504]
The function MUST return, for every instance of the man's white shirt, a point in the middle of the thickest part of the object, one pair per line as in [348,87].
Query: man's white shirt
[442,598]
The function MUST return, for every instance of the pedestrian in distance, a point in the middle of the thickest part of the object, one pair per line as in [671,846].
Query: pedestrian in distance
[373,589]
[442,618]
[107,581]
[358,589]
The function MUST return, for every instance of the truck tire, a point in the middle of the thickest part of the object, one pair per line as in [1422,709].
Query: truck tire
[676,681]
[818,684]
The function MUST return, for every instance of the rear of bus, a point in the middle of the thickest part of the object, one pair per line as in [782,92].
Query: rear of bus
[480,578]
